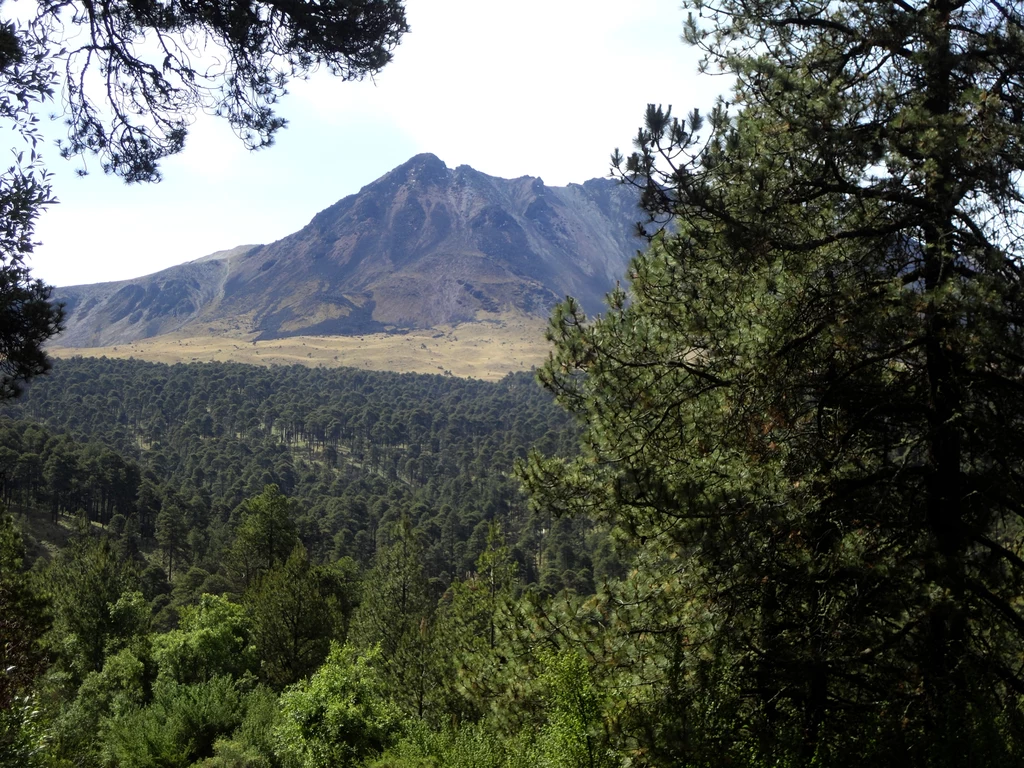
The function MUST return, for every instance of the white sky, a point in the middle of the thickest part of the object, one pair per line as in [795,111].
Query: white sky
[534,88]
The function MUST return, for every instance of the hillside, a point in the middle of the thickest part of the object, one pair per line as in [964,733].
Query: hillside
[423,246]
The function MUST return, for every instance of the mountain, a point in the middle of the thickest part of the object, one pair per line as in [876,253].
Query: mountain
[422,246]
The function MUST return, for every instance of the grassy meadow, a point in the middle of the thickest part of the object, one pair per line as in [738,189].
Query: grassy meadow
[485,350]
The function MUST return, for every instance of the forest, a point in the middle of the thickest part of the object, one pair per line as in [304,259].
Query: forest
[177,449]
[198,541]
[764,511]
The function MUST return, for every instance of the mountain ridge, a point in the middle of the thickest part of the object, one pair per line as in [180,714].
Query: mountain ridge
[424,245]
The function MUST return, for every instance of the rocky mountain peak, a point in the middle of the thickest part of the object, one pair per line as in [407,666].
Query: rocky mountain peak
[424,168]
[421,246]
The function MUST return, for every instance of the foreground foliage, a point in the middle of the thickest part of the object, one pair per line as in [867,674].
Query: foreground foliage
[27,318]
[808,408]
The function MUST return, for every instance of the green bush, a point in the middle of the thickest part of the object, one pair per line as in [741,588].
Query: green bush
[338,717]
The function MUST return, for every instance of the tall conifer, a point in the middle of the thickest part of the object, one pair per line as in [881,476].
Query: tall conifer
[807,409]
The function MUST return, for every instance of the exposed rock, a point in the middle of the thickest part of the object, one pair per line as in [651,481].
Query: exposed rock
[423,245]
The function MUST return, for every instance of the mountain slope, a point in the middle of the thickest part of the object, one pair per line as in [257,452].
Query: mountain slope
[422,246]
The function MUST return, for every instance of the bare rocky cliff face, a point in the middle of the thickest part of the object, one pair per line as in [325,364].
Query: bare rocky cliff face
[422,246]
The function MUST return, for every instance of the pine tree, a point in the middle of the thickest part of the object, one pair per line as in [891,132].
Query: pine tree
[474,619]
[807,409]
[86,581]
[23,622]
[295,610]
[396,614]
[265,535]
[172,535]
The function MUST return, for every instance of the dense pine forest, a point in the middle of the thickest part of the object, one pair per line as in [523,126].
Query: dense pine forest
[177,449]
[198,541]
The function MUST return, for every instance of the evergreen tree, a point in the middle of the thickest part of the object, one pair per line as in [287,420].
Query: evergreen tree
[143,113]
[294,611]
[23,621]
[807,410]
[27,318]
[264,537]
[473,622]
[396,614]
[86,582]
[172,535]
[23,617]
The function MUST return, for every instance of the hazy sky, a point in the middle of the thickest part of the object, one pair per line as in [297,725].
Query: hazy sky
[534,88]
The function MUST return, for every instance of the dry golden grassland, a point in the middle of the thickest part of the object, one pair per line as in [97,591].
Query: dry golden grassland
[486,349]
